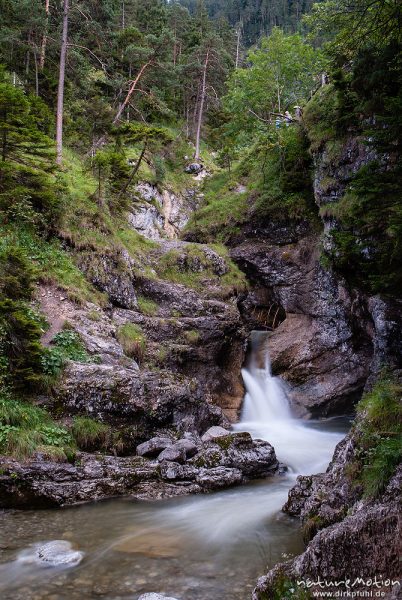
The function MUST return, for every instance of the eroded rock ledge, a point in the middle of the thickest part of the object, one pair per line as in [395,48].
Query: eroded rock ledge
[164,467]
[349,536]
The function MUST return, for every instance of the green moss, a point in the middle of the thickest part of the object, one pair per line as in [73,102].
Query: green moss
[222,212]
[379,437]
[132,340]
[90,434]
[320,117]
[224,441]
[147,306]
[192,336]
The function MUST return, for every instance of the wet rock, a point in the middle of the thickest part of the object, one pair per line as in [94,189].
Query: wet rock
[360,545]
[43,484]
[173,453]
[126,395]
[213,433]
[58,553]
[319,344]
[153,447]
[154,596]
[194,168]
[218,477]
[171,471]
[254,458]
[190,447]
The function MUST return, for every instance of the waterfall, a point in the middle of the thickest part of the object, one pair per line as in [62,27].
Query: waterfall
[267,414]
[265,400]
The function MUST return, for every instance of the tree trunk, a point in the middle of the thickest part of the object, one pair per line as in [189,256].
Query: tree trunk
[60,92]
[100,141]
[134,171]
[131,91]
[238,44]
[201,110]
[44,38]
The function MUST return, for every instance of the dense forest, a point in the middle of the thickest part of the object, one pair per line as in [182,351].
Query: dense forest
[255,18]
[173,176]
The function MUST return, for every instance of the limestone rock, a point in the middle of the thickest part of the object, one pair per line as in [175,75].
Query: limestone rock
[213,433]
[173,453]
[189,446]
[58,553]
[153,447]
[171,471]
[254,458]
[154,596]
[218,477]
[194,168]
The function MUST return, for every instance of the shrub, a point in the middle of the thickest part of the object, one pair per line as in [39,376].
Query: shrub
[132,340]
[67,345]
[20,337]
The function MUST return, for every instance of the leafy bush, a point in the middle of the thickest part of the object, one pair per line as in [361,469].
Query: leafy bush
[20,341]
[132,340]
[66,345]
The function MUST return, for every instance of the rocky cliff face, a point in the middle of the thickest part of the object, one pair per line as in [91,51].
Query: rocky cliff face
[352,538]
[328,340]
[333,343]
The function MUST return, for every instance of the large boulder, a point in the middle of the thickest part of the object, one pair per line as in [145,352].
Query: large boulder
[174,453]
[218,477]
[153,447]
[214,432]
[254,458]
[320,344]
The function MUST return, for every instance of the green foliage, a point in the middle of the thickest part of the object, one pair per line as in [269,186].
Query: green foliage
[194,267]
[379,431]
[66,345]
[89,434]
[147,306]
[28,191]
[348,27]
[368,243]
[132,340]
[285,192]
[222,212]
[26,430]
[284,588]
[281,74]
[22,345]
[257,17]
[320,117]
[16,274]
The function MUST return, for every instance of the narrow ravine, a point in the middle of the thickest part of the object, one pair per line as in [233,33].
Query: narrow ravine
[193,548]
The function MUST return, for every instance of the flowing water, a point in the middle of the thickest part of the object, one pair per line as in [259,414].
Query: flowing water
[193,548]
